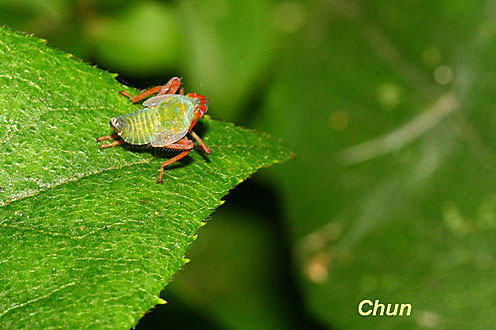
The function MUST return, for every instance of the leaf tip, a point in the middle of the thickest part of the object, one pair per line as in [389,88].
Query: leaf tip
[161,301]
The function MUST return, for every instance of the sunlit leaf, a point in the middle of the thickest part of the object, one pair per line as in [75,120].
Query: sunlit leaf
[88,238]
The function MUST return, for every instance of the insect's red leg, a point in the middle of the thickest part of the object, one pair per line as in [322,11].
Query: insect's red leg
[170,161]
[126,94]
[142,95]
[110,145]
[107,137]
[193,123]
[171,87]
[181,91]
[183,144]
[200,142]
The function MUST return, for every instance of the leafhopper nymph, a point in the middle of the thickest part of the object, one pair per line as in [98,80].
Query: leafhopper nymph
[164,122]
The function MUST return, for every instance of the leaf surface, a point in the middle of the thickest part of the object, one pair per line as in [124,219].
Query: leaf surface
[88,238]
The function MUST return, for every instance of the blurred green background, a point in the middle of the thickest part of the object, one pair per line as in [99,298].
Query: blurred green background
[390,107]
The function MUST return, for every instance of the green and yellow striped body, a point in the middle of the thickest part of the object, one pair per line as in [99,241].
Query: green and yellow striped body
[164,120]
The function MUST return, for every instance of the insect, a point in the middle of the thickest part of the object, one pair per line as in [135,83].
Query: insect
[164,122]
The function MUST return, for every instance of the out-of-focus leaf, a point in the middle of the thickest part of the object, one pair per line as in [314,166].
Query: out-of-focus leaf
[19,12]
[49,19]
[141,39]
[233,275]
[88,238]
[229,45]
[390,106]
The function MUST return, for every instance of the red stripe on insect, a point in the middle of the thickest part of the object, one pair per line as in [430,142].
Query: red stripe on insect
[203,99]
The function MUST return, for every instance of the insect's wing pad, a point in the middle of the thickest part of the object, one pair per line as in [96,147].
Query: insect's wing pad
[167,137]
[175,113]
[156,100]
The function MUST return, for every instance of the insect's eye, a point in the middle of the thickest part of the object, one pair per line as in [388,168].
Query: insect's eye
[116,124]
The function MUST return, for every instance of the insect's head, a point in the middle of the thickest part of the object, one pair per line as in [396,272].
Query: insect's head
[116,124]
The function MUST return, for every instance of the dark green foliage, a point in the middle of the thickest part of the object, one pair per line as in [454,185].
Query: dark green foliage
[395,139]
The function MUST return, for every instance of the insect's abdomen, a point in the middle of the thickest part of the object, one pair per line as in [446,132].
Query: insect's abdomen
[139,127]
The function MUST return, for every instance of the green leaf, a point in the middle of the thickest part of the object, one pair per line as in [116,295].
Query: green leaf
[394,127]
[88,238]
